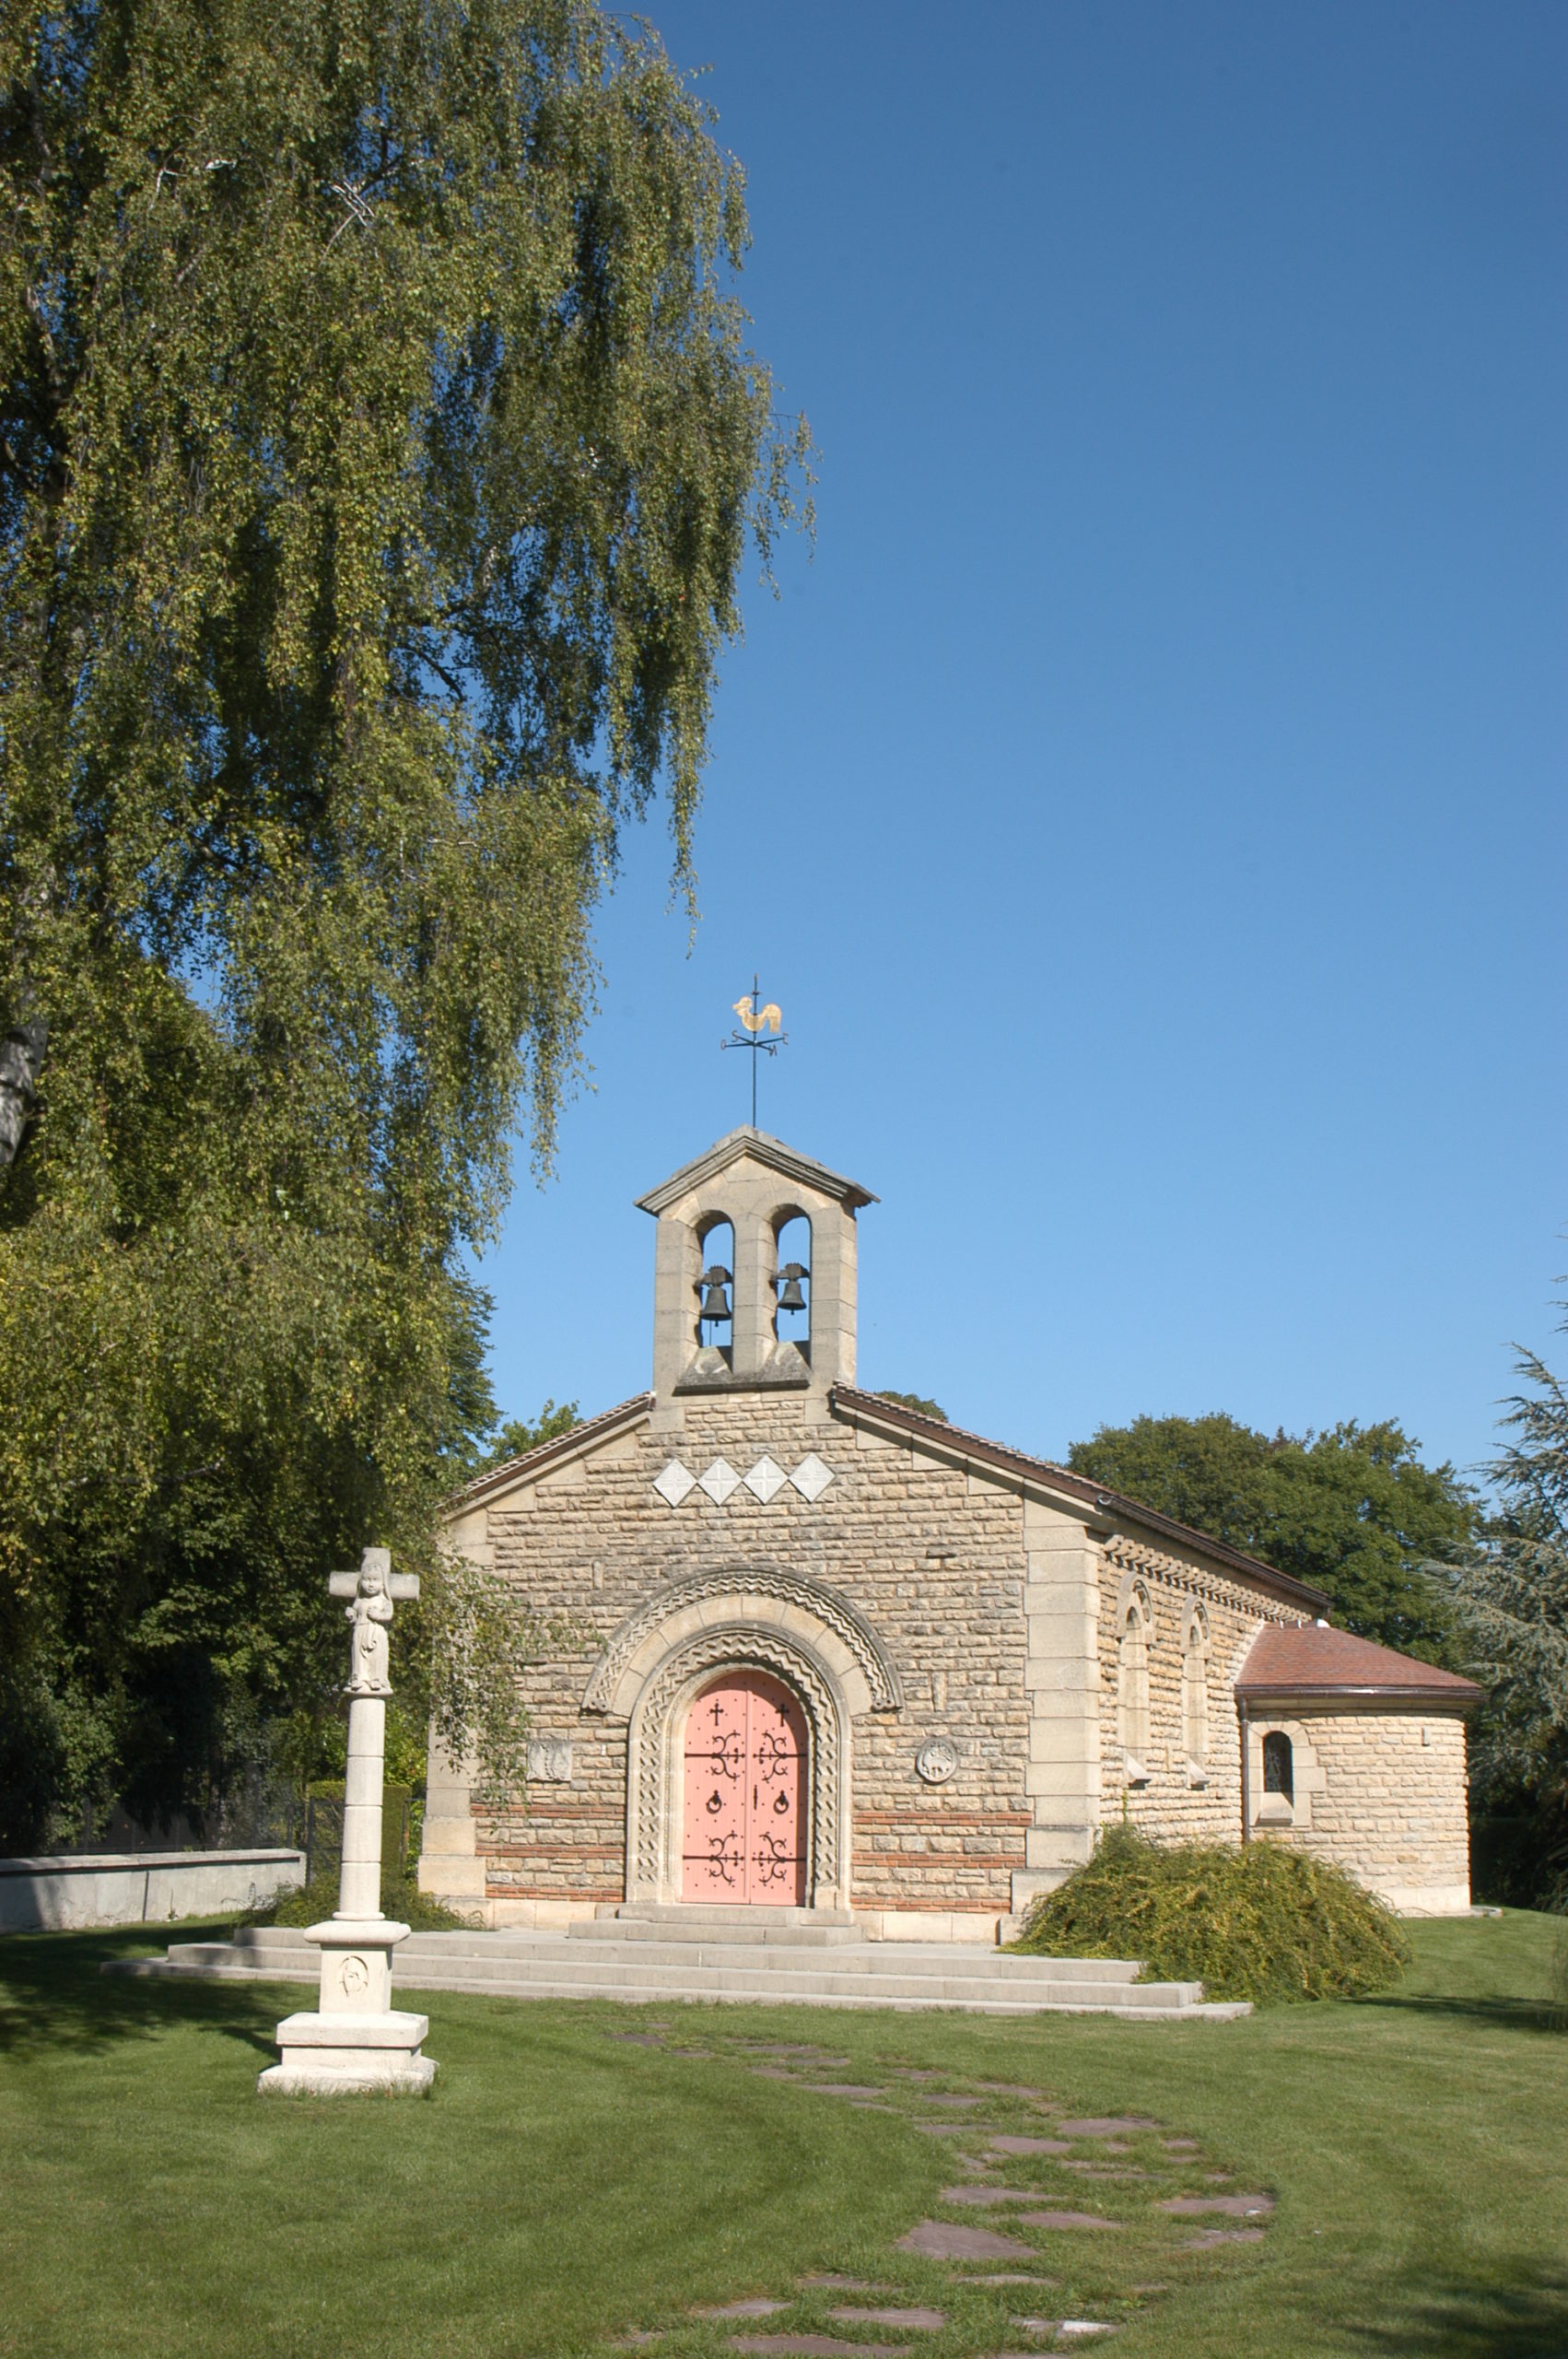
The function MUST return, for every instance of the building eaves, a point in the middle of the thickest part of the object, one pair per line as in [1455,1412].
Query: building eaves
[760,1146]
[1107,1508]
[1315,1661]
[1461,1697]
[550,1454]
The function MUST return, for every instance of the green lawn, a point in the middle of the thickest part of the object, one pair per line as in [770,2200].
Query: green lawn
[565,2185]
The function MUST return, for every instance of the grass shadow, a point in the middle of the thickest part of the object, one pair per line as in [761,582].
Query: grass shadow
[54,1995]
[1511,2014]
[1526,2319]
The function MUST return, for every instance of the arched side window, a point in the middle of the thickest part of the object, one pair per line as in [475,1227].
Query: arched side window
[1132,1680]
[1278,1768]
[715,1291]
[1195,1688]
[793,1283]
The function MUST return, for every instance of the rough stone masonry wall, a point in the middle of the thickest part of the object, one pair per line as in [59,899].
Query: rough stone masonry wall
[1171,1807]
[1382,1794]
[934,1563]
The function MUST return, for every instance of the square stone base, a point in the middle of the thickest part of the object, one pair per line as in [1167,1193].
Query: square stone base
[350,2055]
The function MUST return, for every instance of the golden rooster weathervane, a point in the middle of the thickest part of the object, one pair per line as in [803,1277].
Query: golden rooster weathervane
[757,1022]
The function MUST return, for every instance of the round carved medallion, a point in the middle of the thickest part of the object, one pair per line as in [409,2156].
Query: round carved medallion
[936,1761]
[353,1975]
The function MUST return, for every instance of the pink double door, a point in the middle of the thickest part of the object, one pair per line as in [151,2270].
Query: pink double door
[742,1820]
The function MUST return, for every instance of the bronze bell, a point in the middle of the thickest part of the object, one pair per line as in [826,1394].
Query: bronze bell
[715,1301]
[791,1296]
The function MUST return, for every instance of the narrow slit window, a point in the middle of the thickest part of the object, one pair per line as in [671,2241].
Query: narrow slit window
[1279,1770]
[1133,1684]
[1195,1691]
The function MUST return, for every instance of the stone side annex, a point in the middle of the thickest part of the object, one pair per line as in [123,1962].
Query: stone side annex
[990,1652]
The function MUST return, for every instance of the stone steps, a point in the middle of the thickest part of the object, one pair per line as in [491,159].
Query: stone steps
[596,1962]
[778,1928]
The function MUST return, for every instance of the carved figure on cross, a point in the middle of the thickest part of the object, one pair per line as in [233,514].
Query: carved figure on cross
[373,1590]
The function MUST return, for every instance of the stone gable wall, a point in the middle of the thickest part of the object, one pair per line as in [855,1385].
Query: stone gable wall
[934,1563]
[1379,1793]
[1171,1807]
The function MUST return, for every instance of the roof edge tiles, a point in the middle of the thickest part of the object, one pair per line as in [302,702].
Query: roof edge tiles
[1107,1507]
[1314,1661]
[762,1148]
[546,1455]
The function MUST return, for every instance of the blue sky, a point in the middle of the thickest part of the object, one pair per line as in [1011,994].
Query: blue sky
[1147,804]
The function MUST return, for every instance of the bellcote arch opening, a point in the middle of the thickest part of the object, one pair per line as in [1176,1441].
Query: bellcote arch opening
[714,1308]
[791,1285]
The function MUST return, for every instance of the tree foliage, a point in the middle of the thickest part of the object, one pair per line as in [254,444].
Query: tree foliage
[379,447]
[1353,1511]
[1512,1594]
[516,1436]
[918,1402]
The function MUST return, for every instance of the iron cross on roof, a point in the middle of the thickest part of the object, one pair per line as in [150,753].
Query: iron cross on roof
[757,1023]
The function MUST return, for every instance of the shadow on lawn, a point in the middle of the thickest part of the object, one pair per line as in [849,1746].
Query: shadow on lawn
[1528,2320]
[53,1995]
[1503,2014]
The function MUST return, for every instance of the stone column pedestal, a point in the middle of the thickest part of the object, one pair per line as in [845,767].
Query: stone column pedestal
[357,2040]
[354,2040]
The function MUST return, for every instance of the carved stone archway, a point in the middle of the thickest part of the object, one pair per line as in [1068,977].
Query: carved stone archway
[656,1739]
[755,1616]
[767,1592]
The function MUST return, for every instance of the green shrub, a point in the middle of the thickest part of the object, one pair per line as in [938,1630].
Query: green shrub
[1259,1922]
[307,1904]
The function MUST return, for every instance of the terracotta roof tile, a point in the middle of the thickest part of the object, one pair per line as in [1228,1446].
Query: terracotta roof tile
[1311,1660]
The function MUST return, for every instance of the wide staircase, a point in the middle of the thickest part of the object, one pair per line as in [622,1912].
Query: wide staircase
[653,1954]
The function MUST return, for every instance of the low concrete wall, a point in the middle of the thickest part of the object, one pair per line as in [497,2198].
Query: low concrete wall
[69,1892]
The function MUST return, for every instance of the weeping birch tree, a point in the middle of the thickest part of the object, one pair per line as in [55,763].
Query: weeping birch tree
[380,451]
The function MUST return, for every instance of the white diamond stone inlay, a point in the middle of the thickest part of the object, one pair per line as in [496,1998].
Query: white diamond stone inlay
[766,1480]
[720,1481]
[811,1477]
[674,1483]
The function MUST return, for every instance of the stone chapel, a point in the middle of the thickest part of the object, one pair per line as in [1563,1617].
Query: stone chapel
[829,1654]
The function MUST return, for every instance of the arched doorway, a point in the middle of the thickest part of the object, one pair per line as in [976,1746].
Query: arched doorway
[743,1797]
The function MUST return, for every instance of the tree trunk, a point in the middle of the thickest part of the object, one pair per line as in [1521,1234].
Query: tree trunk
[21,1062]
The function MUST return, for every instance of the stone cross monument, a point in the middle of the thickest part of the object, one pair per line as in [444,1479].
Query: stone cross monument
[357,2039]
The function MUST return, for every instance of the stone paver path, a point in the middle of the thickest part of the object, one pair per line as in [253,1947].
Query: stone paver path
[943,2241]
[928,2321]
[990,2194]
[1237,2207]
[1107,2125]
[1065,2220]
[817,2346]
[1154,2182]
[1013,2277]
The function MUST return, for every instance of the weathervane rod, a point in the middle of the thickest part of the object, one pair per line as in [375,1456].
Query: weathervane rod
[757,1022]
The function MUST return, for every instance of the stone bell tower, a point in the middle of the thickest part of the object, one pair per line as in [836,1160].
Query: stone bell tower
[762,1321]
